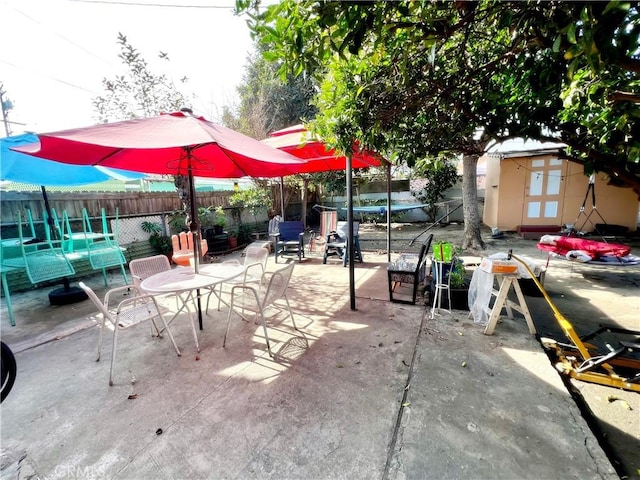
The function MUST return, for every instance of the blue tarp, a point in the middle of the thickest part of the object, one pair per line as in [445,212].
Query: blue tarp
[20,167]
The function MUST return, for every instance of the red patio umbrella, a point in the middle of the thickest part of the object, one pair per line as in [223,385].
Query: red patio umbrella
[298,141]
[176,144]
[301,143]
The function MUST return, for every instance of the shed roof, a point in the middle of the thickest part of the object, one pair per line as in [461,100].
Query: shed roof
[521,147]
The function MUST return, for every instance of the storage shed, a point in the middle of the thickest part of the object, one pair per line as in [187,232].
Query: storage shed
[530,187]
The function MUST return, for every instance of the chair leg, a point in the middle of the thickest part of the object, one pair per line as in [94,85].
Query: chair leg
[7,298]
[124,274]
[291,313]
[100,337]
[113,354]
[226,332]
[193,330]
[266,335]
[219,298]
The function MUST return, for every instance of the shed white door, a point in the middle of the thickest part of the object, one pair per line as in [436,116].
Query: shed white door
[544,191]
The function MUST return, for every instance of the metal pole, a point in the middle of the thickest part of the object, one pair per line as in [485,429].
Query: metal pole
[195,230]
[351,249]
[282,198]
[388,211]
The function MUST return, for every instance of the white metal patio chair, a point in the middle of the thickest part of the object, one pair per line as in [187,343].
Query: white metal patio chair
[130,311]
[258,298]
[255,264]
[143,268]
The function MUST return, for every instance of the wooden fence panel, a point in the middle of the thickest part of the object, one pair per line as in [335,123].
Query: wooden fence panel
[127,203]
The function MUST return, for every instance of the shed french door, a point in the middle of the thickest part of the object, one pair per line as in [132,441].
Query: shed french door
[544,192]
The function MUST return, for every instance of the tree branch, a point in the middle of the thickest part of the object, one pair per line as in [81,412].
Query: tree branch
[624,97]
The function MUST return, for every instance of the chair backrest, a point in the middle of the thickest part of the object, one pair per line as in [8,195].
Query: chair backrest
[277,286]
[46,263]
[274,224]
[143,268]
[342,229]
[424,250]
[328,222]
[256,255]
[290,230]
[97,302]
[183,248]
[182,241]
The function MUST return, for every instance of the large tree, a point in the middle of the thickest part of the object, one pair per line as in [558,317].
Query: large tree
[139,92]
[270,101]
[419,78]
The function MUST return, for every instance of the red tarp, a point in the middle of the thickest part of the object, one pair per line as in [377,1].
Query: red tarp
[562,245]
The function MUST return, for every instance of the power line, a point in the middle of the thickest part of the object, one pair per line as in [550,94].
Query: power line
[52,78]
[139,4]
[63,37]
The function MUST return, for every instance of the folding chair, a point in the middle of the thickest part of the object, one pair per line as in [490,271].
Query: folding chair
[255,263]
[408,269]
[328,224]
[7,266]
[129,312]
[42,261]
[256,299]
[103,248]
[143,268]
[289,240]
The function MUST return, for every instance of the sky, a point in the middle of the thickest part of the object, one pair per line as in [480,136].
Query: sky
[55,53]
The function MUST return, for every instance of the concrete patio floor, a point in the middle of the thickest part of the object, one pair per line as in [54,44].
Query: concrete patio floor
[380,392]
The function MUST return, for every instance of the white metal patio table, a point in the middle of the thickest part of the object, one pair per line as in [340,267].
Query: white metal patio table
[186,284]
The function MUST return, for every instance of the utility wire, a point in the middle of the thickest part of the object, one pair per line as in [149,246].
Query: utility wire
[52,78]
[139,4]
[63,37]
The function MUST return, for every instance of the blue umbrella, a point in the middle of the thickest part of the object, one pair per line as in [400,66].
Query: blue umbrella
[20,167]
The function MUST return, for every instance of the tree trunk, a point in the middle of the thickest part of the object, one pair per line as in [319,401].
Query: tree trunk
[181,183]
[472,235]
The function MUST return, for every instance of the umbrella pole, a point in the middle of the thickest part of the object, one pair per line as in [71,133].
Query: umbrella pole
[282,197]
[195,231]
[388,211]
[51,224]
[350,246]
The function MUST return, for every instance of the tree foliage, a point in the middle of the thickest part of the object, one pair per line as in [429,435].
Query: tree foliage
[139,92]
[440,174]
[269,102]
[420,78]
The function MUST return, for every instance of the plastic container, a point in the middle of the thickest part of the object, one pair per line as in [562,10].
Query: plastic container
[491,265]
[443,252]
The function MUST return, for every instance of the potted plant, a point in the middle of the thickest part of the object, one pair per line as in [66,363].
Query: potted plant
[162,243]
[458,286]
[219,220]
[233,239]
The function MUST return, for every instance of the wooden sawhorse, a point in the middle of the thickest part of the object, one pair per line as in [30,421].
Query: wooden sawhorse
[506,282]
